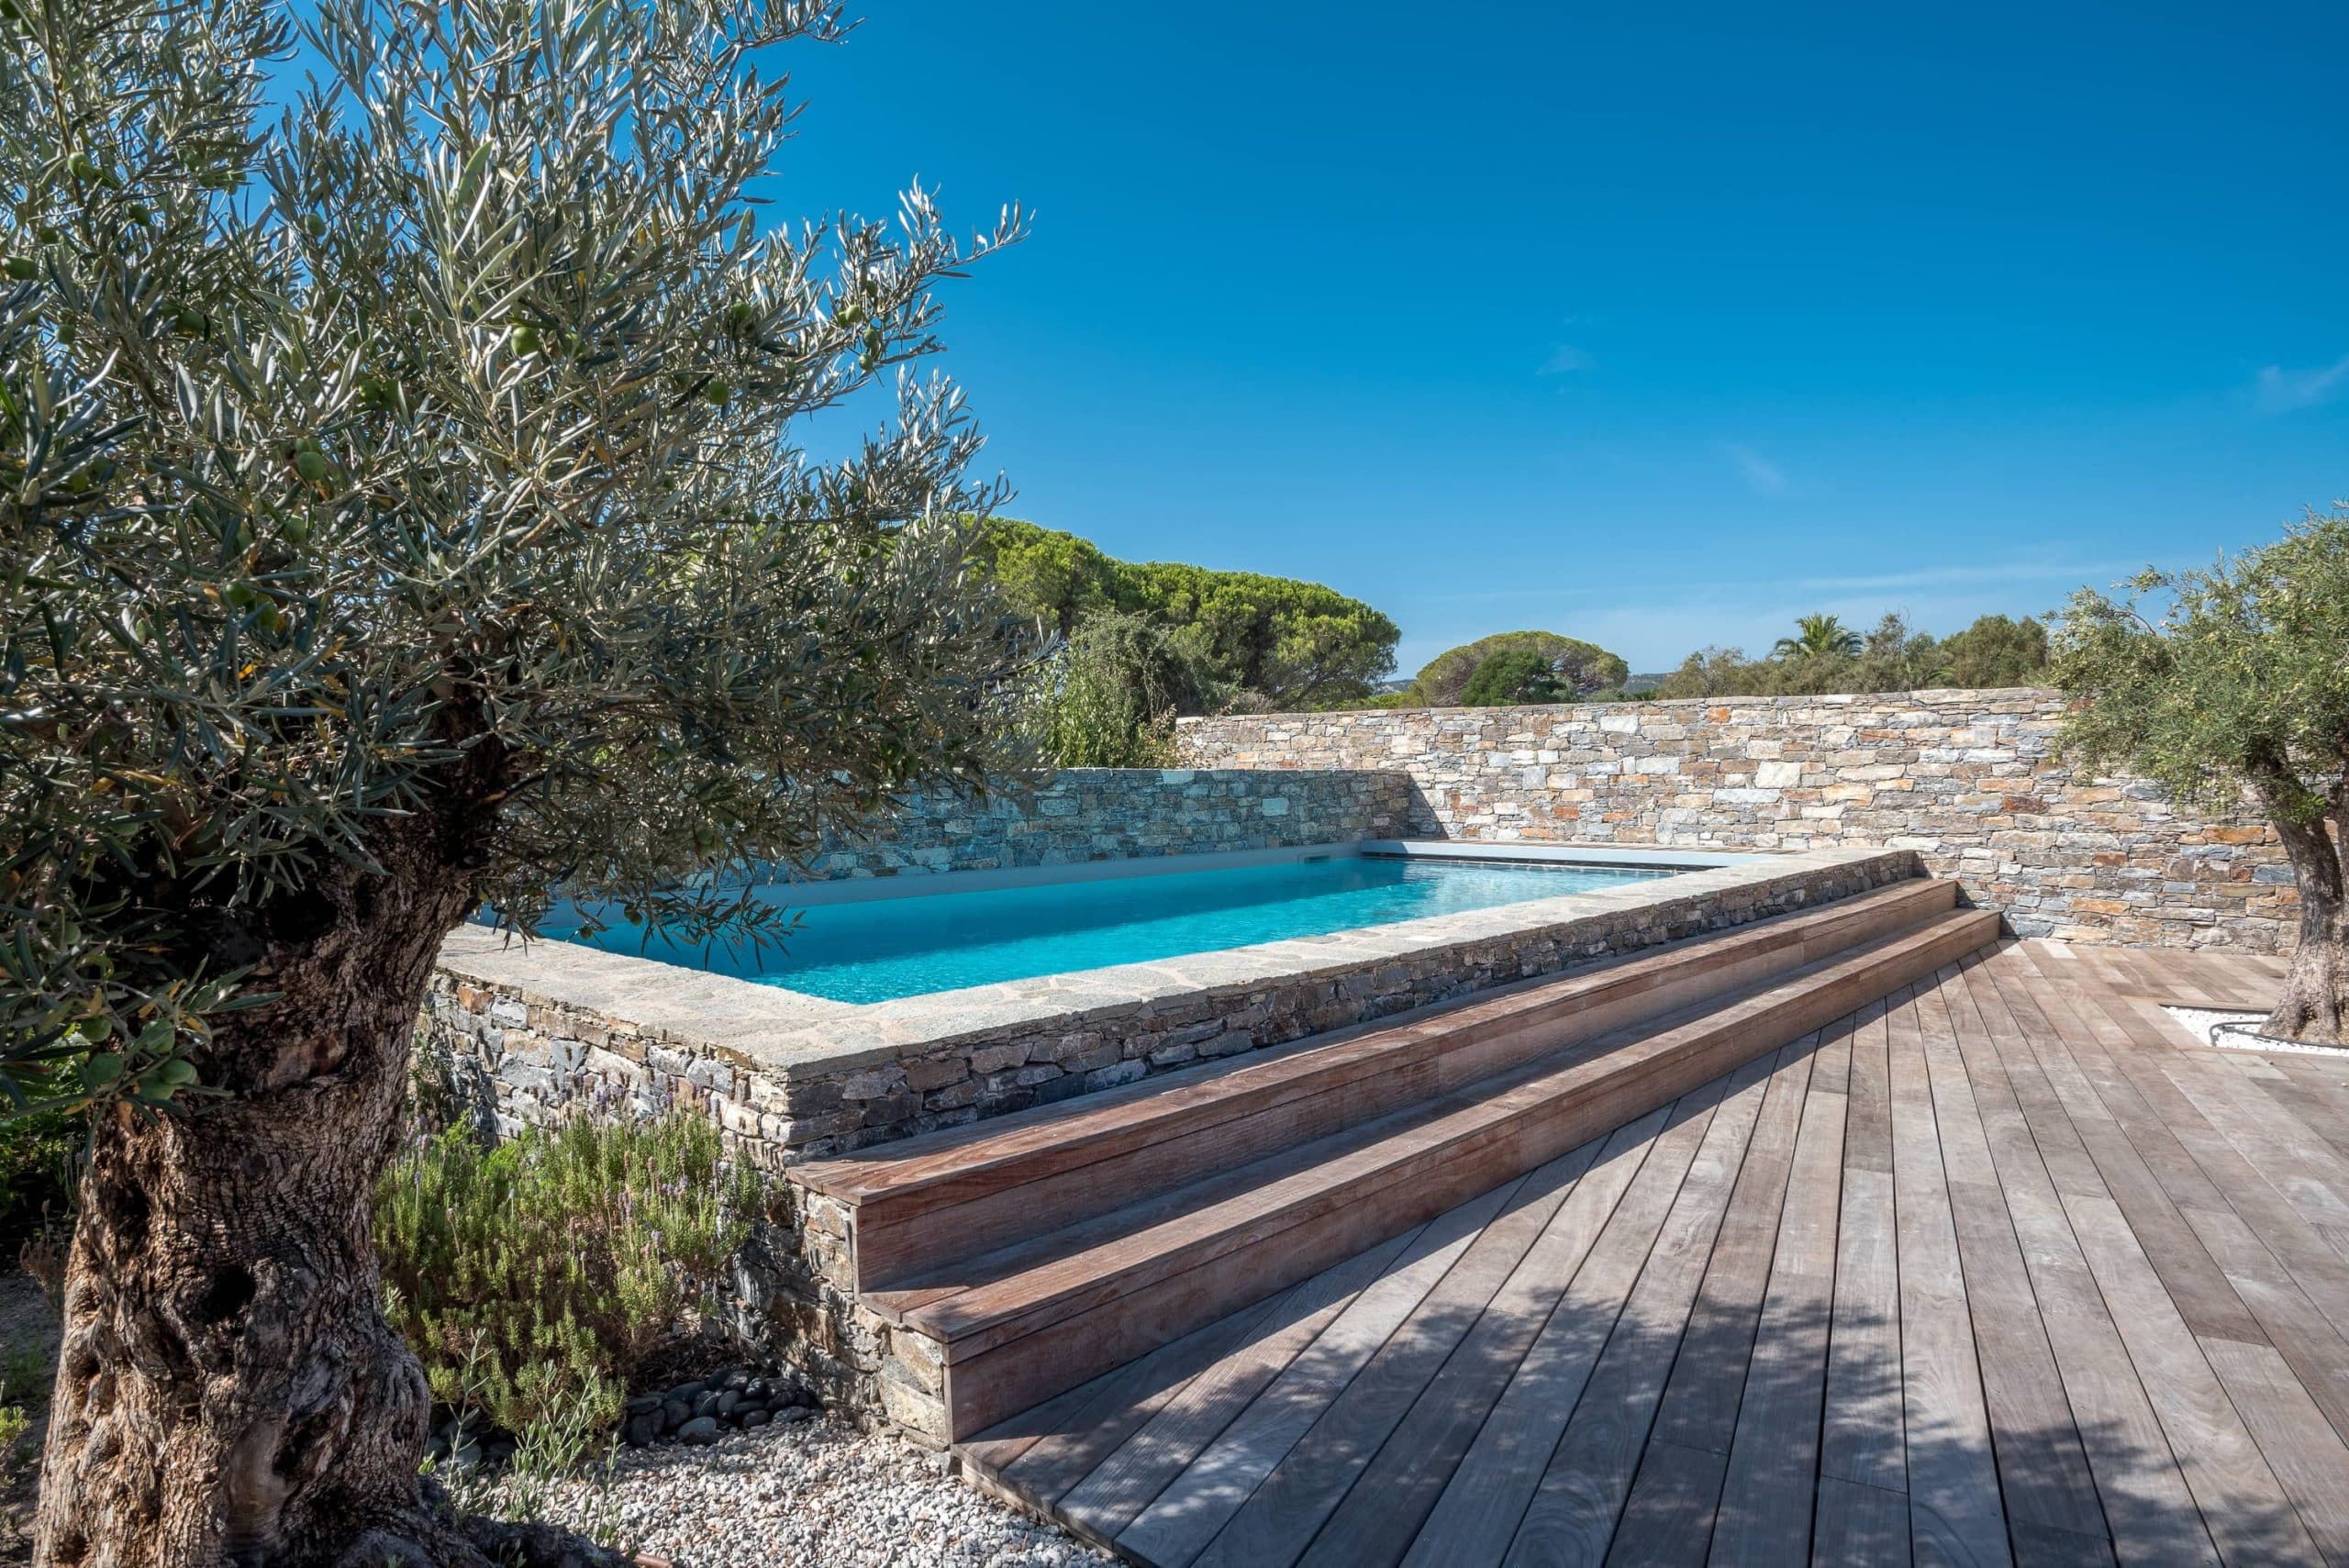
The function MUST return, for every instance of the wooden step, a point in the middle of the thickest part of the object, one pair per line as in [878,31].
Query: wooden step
[1021,1324]
[928,1201]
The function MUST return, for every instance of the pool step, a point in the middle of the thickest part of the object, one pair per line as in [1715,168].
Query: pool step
[1087,1287]
[922,1204]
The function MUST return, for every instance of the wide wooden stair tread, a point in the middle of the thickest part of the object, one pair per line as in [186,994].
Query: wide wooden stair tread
[1043,1249]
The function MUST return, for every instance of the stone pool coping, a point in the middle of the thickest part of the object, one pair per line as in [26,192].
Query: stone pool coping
[797,1076]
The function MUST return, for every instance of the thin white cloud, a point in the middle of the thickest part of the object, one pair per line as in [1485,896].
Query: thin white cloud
[1989,576]
[1973,576]
[1761,475]
[2280,391]
[1564,360]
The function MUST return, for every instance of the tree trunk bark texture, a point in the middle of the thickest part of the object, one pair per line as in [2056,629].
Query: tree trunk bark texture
[227,1389]
[2315,1004]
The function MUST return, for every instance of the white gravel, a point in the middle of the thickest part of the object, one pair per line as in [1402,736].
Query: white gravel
[2197,1022]
[817,1493]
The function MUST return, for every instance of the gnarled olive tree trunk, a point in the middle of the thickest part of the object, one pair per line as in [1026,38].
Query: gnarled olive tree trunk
[2315,1005]
[227,1389]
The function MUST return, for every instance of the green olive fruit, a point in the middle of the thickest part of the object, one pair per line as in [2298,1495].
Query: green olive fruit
[84,167]
[311,466]
[525,339]
[48,234]
[21,268]
[718,392]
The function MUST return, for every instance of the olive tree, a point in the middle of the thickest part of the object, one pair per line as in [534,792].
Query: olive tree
[405,511]
[2241,684]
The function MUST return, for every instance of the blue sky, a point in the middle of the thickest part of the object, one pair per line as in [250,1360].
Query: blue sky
[1656,325]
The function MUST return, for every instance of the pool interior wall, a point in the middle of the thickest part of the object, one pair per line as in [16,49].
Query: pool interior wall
[862,943]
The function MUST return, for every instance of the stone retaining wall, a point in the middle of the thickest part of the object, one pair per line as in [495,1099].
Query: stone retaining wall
[1096,814]
[1964,778]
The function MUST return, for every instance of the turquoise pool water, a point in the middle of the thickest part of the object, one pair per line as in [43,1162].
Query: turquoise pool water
[888,948]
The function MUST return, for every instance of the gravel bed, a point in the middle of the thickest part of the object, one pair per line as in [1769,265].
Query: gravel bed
[2198,1022]
[817,1492]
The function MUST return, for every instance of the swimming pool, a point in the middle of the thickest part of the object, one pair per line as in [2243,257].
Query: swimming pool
[882,949]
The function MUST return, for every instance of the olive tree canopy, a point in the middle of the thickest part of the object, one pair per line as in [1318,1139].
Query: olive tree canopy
[2240,683]
[402,510]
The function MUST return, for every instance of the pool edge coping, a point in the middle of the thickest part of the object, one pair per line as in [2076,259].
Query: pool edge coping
[791,1036]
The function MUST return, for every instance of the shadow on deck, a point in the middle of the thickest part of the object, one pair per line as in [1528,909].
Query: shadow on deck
[2004,1267]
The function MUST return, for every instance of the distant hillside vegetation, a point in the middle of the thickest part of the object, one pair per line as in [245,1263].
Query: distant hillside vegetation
[1826,657]
[1514,667]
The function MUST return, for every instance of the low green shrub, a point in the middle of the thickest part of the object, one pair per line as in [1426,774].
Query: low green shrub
[40,1165]
[533,1278]
[25,1374]
[1110,700]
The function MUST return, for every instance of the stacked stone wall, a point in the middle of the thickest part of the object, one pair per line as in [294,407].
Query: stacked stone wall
[1967,779]
[1100,813]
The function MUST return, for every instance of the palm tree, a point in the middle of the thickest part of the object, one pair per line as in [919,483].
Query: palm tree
[1818,635]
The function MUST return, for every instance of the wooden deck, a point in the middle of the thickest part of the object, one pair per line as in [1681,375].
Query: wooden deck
[2001,1269]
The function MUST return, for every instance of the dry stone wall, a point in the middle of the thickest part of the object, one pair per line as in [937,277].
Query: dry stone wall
[1964,778]
[1096,814]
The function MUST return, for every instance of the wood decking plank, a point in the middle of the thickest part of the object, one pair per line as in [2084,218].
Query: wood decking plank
[1667,1520]
[1956,1513]
[2043,1469]
[2241,1503]
[1339,1335]
[2001,1267]
[1862,1432]
[2193,1093]
[1042,1451]
[1125,1400]
[1383,1509]
[2317,1100]
[1574,1509]
[1869,1145]
[1196,1504]
[1486,1495]
[1356,1427]
[1830,1064]
[1708,1382]
[1860,1526]
[2303,1449]
[2191,1279]
[2147,1504]
[1764,1517]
